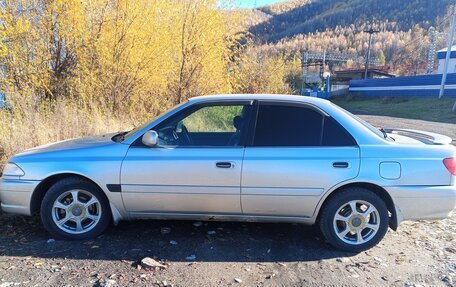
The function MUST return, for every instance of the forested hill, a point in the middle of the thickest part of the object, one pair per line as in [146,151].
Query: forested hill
[295,17]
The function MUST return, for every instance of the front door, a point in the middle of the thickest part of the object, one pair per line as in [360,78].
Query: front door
[195,169]
[297,154]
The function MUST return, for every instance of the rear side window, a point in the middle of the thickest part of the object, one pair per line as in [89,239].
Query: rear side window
[287,126]
[283,125]
[335,135]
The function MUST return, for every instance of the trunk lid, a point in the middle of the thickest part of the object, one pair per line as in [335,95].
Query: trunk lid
[409,136]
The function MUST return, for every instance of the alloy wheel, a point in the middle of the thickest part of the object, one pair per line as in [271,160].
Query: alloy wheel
[76,211]
[356,222]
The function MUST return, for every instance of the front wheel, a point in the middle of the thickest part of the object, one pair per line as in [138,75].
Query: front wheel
[74,208]
[354,220]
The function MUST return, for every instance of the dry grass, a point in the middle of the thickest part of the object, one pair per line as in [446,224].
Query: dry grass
[28,126]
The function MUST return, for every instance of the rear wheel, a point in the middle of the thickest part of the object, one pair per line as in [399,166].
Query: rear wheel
[74,208]
[354,220]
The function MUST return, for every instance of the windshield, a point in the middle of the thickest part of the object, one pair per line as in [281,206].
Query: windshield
[366,124]
[128,134]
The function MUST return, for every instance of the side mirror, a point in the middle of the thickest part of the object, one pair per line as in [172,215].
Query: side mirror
[150,138]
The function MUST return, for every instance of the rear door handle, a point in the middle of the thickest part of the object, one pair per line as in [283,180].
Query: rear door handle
[224,164]
[340,164]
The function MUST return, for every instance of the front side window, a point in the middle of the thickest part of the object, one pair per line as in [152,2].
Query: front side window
[293,126]
[214,125]
[131,133]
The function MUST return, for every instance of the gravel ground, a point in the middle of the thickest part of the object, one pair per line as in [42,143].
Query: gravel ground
[224,254]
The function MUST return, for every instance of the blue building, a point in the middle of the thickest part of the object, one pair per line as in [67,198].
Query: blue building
[441,55]
[421,86]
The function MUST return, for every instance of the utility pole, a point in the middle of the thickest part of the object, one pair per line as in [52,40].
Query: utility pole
[323,62]
[431,53]
[305,68]
[371,32]
[448,53]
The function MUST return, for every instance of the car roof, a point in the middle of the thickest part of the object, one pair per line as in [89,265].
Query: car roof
[291,98]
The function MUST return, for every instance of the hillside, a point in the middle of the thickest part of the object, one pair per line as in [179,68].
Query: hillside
[296,17]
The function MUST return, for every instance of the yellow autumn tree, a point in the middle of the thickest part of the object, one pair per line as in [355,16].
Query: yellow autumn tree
[260,73]
[118,52]
[76,67]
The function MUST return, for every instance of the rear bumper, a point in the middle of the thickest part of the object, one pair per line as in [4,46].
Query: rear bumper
[423,202]
[16,194]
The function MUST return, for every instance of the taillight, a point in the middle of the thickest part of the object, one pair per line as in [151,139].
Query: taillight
[450,164]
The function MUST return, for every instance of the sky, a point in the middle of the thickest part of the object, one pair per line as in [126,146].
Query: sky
[251,3]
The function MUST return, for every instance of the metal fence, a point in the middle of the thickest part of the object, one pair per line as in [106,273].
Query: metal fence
[419,86]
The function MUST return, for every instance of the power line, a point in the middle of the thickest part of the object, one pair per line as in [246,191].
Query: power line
[443,20]
[411,41]
[434,35]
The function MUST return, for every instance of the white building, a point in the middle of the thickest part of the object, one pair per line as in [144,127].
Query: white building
[441,54]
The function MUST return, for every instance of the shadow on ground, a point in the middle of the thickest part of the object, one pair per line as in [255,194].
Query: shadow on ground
[232,242]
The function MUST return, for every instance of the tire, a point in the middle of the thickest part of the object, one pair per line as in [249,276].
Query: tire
[87,217]
[370,220]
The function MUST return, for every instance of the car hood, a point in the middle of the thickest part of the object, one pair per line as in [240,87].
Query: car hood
[72,144]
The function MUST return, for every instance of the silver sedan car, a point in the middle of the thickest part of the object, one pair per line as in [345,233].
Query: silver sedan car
[272,158]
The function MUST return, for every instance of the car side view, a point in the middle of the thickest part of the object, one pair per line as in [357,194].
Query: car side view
[271,158]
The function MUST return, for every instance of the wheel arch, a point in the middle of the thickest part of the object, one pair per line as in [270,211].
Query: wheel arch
[43,187]
[378,190]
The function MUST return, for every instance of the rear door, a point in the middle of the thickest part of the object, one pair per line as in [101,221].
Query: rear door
[296,154]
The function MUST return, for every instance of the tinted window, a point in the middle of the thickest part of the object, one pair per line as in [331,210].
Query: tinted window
[364,123]
[287,126]
[335,135]
[298,126]
[214,125]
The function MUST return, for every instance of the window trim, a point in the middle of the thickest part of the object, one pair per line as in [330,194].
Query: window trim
[324,114]
[197,106]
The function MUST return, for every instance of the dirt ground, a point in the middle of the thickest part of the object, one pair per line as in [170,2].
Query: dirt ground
[229,254]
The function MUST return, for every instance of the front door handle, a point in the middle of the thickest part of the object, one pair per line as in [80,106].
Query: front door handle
[340,164]
[224,164]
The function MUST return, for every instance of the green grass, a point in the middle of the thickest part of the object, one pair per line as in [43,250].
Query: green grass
[429,109]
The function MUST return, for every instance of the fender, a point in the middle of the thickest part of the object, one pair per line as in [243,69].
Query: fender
[396,218]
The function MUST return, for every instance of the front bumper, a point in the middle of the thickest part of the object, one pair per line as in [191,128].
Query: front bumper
[423,202]
[16,194]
